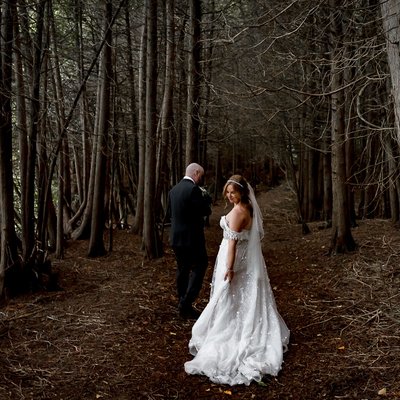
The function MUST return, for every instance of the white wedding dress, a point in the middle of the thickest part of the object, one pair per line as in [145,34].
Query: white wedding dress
[240,336]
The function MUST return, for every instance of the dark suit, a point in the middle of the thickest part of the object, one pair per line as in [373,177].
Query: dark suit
[188,208]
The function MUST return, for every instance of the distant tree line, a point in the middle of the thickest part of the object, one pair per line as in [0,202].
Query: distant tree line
[104,103]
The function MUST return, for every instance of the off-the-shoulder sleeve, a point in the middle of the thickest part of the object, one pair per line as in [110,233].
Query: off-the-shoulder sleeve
[229,234]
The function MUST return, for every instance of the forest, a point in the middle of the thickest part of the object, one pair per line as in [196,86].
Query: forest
[104,104]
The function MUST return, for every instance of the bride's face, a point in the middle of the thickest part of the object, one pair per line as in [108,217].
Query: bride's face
[232,195]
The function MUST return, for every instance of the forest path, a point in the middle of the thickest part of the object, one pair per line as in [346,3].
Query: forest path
[114,332]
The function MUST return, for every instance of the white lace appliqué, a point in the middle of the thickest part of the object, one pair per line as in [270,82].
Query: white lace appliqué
[228,233]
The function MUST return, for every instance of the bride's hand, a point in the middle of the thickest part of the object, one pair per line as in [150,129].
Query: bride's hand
[229,275]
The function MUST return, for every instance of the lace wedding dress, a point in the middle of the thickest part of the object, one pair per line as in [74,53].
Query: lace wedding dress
[240,336]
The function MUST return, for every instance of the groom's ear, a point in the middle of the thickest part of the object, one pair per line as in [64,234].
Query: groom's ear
[201,181]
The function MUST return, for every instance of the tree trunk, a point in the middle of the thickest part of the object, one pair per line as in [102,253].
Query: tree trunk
[393,178]
[139,216]
[194,81]
[151,239]
[390,10]
[8,250]
[208,73]
[178,156]
[96,243]
[20,109]
[342,239]
[83,170]
[391,24]
[166,120]
[327,179]
[42,165]
[133,149]
[348,77]
[64,176]
[304,178]
[28,202]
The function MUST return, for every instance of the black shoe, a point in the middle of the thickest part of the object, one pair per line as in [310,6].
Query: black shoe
[189,313]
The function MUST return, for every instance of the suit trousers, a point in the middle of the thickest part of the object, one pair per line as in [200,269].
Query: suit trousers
[192,266]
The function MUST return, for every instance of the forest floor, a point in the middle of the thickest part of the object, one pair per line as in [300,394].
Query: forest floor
[113,332]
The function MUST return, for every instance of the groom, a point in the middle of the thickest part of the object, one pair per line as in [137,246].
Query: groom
[188,207]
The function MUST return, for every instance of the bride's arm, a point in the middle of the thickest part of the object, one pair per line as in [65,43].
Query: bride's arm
[235,223]
[230,260]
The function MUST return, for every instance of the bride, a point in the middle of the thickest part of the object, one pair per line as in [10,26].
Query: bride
[240,336]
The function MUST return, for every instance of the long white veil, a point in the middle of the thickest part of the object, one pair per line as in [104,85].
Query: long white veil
[257,224]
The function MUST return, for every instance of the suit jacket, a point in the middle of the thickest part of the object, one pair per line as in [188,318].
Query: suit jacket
[187,208]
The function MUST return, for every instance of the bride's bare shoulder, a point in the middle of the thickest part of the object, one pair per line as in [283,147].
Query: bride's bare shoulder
[239,218]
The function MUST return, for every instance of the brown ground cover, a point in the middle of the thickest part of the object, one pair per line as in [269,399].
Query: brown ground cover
[113,331]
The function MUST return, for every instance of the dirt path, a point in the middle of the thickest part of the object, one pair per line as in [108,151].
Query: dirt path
[114,333]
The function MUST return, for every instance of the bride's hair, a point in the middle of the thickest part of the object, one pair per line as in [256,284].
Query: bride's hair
[241,185]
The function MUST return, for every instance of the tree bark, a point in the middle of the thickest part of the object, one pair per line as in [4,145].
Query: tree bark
[194,82]
[139,216]
[342,239]
[8,250]
[96,242]
[390,10]
[166,118]
[133,150]
[151,239]
[28,202]
[64,175]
